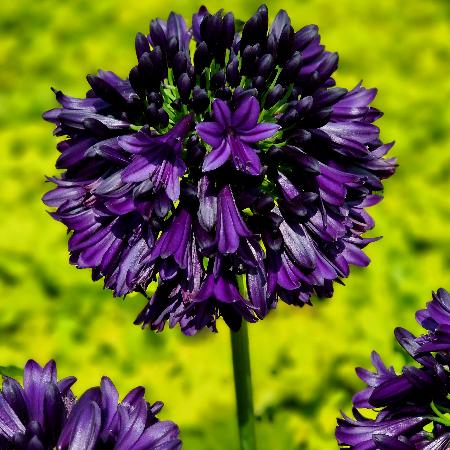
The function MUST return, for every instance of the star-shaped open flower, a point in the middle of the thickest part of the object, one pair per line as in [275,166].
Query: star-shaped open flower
[232,133]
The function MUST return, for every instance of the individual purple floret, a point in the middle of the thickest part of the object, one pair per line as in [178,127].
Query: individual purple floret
[237,167]
[45,415]
[232,132]
[410,409]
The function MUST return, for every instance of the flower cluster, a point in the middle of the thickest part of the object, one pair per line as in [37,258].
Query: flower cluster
[229,176]
[412,408]
[44,415]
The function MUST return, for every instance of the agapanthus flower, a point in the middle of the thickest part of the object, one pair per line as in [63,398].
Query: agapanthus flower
[44,414]
[410,409]
[226,177]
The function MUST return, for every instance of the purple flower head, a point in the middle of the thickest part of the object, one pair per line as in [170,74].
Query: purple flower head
[45,415]
[226,162]
[405,403]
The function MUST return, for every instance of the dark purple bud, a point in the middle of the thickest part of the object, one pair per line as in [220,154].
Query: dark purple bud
[272,45]
[145,65]
[184,87]
[304,36]
[156,98]
[159,62]
[328,66]
[217,80]
[289,118]
[191,71]
[240,93]
[200,100]
[250,32]
[216,25]
[280,21]
[147,71]
[157,35]
[163,118]
[196,21]
[211,29]
[327,97]
[275,95]
[249,58]
[172,49]
[224,93]
[141,44]
[202,57]
[228,30]
[285,44]
[259,83]
[205,27]
[265,65]
[233,77]
[291,68]
[179,64]
[151,114]
[136,82]
[263,13]
[105,91]
[304,105]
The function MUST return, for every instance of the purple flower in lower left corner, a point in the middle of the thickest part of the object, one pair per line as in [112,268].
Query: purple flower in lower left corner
[44,414]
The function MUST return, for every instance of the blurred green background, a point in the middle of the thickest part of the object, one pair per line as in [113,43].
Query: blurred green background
[303,360]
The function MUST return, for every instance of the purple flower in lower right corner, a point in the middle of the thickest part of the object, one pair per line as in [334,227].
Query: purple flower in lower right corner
[44,414]
[411,409]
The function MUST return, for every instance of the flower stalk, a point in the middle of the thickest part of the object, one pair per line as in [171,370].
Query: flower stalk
[243,387]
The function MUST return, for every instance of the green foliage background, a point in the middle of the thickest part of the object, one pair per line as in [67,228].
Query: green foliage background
[303,359]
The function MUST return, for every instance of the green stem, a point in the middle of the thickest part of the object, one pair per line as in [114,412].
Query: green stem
[243,387]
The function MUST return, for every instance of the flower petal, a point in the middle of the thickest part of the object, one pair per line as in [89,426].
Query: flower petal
[217,157]
[246,115]
[222,113]
[211,133]
[260,132]
[244,157]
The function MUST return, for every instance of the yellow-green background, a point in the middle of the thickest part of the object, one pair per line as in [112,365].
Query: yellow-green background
[303,359]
